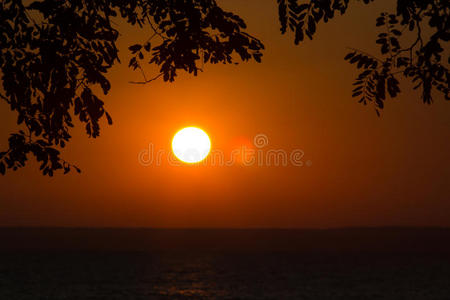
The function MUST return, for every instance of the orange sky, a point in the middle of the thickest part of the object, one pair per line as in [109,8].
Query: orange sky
[366,171]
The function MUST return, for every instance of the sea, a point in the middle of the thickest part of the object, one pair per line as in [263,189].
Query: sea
[143,263]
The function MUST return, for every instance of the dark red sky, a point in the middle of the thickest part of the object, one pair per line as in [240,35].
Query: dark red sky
[366,171]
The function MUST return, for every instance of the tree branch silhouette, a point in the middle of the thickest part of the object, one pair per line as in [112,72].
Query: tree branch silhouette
[50,68]
[424,64]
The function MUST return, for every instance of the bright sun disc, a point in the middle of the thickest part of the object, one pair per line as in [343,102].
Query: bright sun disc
[191,145]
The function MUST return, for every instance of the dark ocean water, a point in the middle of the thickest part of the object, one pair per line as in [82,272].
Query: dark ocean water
[389,263]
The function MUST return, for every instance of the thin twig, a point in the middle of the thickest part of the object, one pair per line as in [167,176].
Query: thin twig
[147,81]
[154,29]
[5,98]
[142,72]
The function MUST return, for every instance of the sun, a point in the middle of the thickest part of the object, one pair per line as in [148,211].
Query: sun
[191,145]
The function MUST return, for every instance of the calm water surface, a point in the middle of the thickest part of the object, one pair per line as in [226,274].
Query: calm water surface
[224,265]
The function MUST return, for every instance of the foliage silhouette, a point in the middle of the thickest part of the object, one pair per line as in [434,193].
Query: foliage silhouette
[422,60]
[54,52]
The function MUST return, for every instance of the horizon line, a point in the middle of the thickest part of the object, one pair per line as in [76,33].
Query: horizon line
[227,228]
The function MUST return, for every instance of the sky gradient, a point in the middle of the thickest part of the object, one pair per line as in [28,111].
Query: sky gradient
[364,170]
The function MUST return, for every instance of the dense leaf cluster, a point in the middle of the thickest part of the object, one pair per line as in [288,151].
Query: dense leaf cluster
[424,61]
[189,32]
[302,17]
